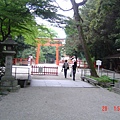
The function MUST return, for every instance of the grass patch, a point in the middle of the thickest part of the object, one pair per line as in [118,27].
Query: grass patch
[103,78]
[104,81]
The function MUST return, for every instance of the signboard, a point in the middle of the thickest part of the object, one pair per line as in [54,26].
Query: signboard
[40,69]
[98,62]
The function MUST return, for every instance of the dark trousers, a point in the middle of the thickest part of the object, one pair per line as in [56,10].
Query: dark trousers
[74,72]
[65,73]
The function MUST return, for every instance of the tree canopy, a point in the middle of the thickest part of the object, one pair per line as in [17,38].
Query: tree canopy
[101,21]
[17,17]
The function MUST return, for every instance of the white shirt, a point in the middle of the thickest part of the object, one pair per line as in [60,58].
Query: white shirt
[30,58]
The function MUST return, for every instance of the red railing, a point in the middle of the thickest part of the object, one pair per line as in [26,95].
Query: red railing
[40,70]
[82,64]
[21,61]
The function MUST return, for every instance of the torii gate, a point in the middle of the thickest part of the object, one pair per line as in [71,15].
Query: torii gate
[57,43]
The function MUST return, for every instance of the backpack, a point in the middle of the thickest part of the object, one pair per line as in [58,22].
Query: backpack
[65,66]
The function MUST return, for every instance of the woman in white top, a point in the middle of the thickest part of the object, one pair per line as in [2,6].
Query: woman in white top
[30,58]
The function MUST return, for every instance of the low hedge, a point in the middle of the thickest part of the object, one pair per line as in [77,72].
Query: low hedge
[104,80]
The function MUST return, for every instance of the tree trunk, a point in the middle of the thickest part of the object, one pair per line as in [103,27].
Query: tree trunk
[82,39]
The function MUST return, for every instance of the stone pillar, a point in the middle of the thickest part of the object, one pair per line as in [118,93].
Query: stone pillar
[8,82]
[8,68]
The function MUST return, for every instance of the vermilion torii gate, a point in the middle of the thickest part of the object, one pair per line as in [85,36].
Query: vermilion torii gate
[57,42]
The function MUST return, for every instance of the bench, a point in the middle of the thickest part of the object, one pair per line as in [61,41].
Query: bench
[89,80]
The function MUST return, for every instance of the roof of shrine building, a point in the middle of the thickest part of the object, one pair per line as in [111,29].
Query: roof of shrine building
[113,56]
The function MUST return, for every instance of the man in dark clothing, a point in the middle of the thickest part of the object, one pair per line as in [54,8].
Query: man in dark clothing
[74,70]
[66,67]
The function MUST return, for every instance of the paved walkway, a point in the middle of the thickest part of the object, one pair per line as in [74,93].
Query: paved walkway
[59,81]
[60,103]
[57,98]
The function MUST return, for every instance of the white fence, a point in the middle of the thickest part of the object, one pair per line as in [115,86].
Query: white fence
[21,72]
[109,73]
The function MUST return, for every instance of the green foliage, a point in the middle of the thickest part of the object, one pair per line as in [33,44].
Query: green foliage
[17,17]
[104,81]
[42,57]
[26,52]
[43,8]
[45,32]
[72,41]
[46,9]
[13,15]
[101,26]
[103,78]
[47,54]
[117,43]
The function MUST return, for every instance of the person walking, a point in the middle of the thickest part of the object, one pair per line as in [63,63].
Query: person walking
[65,67]
[74,70]
[30,59]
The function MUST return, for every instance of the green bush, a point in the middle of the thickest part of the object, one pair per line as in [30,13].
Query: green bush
[104,81]
[103,78]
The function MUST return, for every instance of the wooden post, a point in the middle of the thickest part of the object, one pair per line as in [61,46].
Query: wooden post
[37,54]
[48,44]
[57,55]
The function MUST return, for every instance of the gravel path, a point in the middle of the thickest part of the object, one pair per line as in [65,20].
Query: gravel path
[60,103]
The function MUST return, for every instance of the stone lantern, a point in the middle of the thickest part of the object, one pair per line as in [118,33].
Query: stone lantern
[8,82]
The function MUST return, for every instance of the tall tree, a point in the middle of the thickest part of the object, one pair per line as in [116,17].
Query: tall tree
[81,35]
[102,20]
[17,17]
[73,43]
[13,17]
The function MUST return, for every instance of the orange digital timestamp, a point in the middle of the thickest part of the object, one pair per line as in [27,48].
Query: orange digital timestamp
[104,108]
[115,108]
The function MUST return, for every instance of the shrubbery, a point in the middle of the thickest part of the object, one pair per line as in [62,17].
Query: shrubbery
[104,80]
